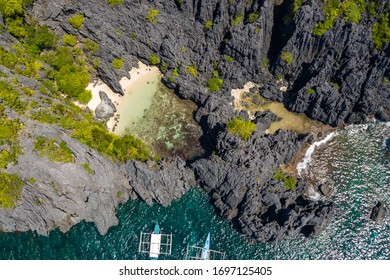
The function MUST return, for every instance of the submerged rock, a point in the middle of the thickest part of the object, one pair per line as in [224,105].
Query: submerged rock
[326,187]
[379,212]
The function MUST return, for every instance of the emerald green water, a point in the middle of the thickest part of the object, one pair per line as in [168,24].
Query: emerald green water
[357,161]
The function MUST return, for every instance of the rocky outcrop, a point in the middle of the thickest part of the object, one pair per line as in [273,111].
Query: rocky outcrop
[59,195]
[160,182]
[336,77]
[239,179]
[106,109]
[378,212]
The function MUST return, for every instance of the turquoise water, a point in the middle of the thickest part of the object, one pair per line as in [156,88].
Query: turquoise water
[355,159]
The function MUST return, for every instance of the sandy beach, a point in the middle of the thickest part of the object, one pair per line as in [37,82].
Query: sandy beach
[237,93]
[137,75]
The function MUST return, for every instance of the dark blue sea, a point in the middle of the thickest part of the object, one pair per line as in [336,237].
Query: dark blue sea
[355,158]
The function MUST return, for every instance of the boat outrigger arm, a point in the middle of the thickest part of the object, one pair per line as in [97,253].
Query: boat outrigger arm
[155,243]
[204,253]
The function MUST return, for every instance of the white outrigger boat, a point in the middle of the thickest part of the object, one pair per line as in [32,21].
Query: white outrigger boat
[204,253]
[155,243]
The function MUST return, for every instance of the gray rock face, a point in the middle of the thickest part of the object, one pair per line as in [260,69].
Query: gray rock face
[64,194]
[342,67]
[239,181]
[160,182]
[106,108]
[326,188]
[379,212]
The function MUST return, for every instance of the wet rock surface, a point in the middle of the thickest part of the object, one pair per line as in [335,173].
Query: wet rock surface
[378,212]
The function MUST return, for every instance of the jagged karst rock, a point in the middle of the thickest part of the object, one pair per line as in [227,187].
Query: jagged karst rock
[106,108]
[160,182]
[341,67]
[378,212]
[239,180]
[64,193]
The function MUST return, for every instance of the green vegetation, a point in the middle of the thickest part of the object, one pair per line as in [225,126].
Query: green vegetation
[152,15]
[117,63]
[11,97]
[117,32]
[39,38]
[350,10]
[32,180]
[287,57]
[265,63]
[10,150]
[214,84]
[238,19]
[91,46]
[229,58]
[381,31]
[208,25]
[10,8]
[253,17]
[373,8]
[175,72]
[119,194]
[12,11]
[77,21]
[70,74]
[122,148]
[88,168]
[310,90]
[289,182]
[115,2]
[84,97]
[163,67]
[11,187]
[192,70]
[70,40]
[336,85]
[331,10]
[243,129]
[292,9]
[154,59]
[58,152]
[9,129]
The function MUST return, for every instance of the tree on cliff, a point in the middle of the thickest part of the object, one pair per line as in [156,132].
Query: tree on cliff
[9,8]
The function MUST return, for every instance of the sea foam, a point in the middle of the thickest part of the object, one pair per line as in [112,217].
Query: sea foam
[308,155]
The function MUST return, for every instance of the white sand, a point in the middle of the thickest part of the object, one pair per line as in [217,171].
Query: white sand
[136,74]
[237,93]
